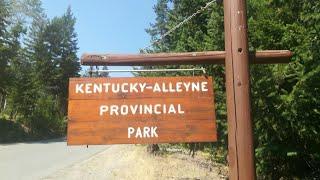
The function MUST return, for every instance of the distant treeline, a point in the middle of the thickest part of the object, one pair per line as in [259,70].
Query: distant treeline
[285,98]
[37,57]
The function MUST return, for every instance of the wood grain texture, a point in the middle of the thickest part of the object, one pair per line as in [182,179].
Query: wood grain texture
[87,126]
[113,132]
[240,134]
[194,108]
[147,92]
[206,57]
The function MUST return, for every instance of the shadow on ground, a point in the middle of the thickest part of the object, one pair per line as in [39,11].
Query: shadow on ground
[13,132]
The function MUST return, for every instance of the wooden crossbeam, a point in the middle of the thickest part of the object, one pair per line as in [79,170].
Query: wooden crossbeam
[236,59]
[207,57]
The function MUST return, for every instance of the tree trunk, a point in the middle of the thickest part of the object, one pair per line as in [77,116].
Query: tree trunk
[153,148]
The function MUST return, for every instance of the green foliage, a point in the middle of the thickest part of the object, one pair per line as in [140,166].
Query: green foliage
[204,32]
[38,55]
[55,57]
[12,132]
[5,52]
[285,98]
[45,118]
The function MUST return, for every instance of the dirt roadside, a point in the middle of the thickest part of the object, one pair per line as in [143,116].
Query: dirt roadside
[133,162]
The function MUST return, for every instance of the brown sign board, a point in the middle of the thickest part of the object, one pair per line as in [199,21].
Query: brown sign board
[141,110]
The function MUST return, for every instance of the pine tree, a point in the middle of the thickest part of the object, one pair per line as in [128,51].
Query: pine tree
[10,51]
[285,98]
[67,61]
[55,57]
[4,50]
[23,91]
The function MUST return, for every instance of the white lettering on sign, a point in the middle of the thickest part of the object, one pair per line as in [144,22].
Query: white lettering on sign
[123,110]
[98,88]
[133,87]
[103,109]
[79,88]
[88,88]
[145,132]
[140,110]
[204,86]
[155,109]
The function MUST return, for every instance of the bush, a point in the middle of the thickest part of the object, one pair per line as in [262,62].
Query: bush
[46,119]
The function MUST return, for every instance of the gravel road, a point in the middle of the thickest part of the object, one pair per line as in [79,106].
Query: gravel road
[35,160]
[53,159]
[134,163]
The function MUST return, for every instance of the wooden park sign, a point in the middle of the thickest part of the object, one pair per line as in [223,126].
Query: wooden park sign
[141,110]
[236,59]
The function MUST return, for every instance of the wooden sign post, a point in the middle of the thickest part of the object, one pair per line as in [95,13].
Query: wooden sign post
[240,136]
[236,58]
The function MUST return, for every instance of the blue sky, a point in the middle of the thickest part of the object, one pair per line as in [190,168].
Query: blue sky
[109,26]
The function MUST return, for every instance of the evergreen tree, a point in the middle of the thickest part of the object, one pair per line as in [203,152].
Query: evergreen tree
[42,58]
[4,51]
[285,98]
[21,99]
[10,50]
[55,57]
[67,62]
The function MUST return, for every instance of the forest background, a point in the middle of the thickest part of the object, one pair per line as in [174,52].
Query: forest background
[38,55]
